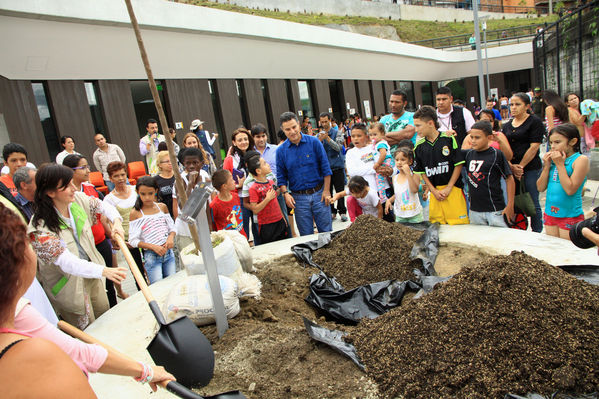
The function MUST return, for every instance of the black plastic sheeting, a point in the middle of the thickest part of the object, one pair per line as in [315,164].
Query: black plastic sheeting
[334,339]
[348,307]
[372,300]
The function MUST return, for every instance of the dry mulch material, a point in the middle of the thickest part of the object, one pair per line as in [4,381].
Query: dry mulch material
[509,324]
[368,251]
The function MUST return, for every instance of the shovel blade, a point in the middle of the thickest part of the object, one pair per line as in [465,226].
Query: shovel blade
[184,351]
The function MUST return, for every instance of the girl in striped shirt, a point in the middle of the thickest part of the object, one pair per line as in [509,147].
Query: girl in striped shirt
[152,229]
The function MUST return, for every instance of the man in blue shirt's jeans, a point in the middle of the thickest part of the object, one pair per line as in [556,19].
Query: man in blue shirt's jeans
[304,176]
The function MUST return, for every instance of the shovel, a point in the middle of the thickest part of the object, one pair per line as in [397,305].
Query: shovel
[179,346]
[171,386]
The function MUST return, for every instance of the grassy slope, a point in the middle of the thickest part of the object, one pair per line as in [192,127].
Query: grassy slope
[407,30]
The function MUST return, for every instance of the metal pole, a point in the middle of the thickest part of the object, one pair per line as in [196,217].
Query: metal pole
[580,76]
[557,59]
[486,57]
[479,61]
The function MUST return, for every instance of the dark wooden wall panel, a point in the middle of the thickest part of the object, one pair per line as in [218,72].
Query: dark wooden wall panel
[189,99]
[119,117]
[378,97]
[228,101]
[297,105]
[364,94]
[276,92]
[254,99]
[72,115]
[18,106]
[388,88]
[349,95]
[322,96]
[417,94]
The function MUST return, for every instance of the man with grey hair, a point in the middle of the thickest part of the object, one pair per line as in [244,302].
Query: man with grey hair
[24,179]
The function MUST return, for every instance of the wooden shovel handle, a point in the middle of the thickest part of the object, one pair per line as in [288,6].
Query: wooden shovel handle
[141,281]
[88,339]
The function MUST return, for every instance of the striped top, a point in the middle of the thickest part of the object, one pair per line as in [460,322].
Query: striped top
[151,229]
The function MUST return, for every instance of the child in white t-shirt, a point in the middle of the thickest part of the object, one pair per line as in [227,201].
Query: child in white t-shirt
[405,202]
[367,199]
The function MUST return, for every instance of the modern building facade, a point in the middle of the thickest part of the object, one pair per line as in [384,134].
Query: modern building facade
[73,68]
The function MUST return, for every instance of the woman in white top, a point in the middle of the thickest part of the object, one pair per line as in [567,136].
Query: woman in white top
[123,198]
[70,266]
[68,144]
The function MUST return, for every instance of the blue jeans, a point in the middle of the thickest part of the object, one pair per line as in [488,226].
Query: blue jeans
[487,218]
[159,267]
[310,208]
[530,182]
[247,216]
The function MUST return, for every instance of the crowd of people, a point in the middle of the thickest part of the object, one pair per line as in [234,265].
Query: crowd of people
[440,164]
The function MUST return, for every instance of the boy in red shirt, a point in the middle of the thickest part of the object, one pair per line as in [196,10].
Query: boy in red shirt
[226,208]
[271,224]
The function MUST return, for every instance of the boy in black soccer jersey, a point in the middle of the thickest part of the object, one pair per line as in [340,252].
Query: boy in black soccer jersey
[439,161]
[485,166]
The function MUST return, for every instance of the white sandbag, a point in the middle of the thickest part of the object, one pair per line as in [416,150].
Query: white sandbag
[242,247]
[191,298]
[248,285]
[227,262]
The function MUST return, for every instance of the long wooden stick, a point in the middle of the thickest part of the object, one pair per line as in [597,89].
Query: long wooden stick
[181,193]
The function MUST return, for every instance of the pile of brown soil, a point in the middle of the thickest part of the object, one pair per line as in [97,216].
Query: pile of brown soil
[509,324]
[266,352]
[368,251]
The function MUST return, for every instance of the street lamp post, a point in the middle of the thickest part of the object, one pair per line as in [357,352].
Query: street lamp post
[486,56]
[481,82]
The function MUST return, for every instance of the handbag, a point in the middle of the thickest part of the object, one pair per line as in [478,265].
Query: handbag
[523,201]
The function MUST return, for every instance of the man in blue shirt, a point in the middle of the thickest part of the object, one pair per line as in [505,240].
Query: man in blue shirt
[304,176]
[24,179]
[491,105]
[332,141]
[399,124]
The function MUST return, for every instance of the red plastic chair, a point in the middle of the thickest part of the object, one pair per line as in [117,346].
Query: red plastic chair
[135,170]
[97,180]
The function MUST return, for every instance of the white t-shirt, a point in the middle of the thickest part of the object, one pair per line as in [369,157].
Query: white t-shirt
[5,169]
[359,162]
[369,203]
[407,204]
[445,120]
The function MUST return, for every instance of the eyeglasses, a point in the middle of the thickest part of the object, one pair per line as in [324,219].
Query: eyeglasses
[81,167]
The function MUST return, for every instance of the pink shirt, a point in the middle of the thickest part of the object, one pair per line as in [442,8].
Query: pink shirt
[88,357]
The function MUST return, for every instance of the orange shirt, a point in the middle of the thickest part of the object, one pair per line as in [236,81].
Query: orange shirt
[7,181]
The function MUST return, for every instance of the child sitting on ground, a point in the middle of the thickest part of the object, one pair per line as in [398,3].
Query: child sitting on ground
[564,174]
[271,223]
[405,201]
[367,199]
[439,161]
[485,166]
[382,158]
[152,229]
[226,208]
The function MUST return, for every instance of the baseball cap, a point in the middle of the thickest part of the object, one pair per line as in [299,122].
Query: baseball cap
[537,89]
[195,124]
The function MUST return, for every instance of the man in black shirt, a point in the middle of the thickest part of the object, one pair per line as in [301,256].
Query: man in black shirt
[439,161]
[485,167]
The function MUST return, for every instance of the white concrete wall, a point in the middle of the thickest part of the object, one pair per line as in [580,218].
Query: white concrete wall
[362,8]
[89,39]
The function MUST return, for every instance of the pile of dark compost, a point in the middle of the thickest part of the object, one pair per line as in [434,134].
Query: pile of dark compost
[511,324]
[368,251]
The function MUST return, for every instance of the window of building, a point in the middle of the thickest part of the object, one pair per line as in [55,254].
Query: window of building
[408,88]
[45,113]
[95,107]
[143,102]
[306,102]
[426,89]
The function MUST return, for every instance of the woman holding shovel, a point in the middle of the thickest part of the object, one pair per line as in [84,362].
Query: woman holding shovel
[70,266]
[29,367]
